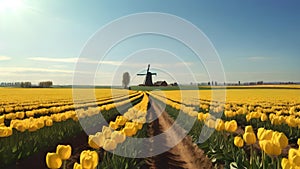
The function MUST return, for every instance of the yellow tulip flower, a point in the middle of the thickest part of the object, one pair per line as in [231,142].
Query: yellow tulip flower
[49,122]
[238,141]
[64,151]
[118,136]
[96,141]
[210,123]
[53,161]
[77,166]
[294,156]
[285,164]
[263,117]
[298,142]
[220,125]
[249,129]
[270,148]
[280,139]
[249,138]
[231,126]
[109,145]
[89,159]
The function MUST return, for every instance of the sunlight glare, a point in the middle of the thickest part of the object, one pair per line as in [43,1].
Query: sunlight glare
[10,5]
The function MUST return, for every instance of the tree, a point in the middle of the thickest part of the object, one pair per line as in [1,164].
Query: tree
[46,84]
[126,79]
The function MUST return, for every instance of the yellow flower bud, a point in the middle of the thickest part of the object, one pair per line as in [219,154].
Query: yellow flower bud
[49,122]
[298,142]
[113,125]
[249,138]
[260,132]
[118,136]
[270,148]
[20,127]
[53,160]
[264,117]
[231,126]
[280,139]
[77,166]
[64,151]
[294,156]
[210,123]
[109,145]
[285,164]
[248,129]
[220,125]
[238,141]
[89,159]
[96,141]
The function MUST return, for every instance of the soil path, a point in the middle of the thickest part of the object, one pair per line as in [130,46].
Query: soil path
[185,154]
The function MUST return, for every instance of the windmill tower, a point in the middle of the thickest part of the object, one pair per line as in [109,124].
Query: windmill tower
[148,80]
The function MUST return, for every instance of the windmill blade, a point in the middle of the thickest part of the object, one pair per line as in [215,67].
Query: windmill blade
[153,73]
[140,74]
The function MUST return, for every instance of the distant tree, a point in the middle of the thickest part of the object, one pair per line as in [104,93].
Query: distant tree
[46,84]
[126,80]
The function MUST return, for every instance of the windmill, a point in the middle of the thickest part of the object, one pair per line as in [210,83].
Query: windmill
[148,80]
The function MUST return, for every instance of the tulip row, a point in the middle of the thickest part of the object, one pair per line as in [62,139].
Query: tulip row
[62,107]
[32,124]
[128,125]
[116,133]
[264,116]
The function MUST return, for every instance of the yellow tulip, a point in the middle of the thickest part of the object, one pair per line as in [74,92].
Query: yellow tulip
[294,156]
[238,141]
[53,160]
[249,138]
[264,117]
[113,125]
[248,129]
[200,116]
[20,115]
[33,127]
[109,145]
[5,131]
[89,159]
[298,142]
[77,166]
[106,131]
[210,123]
[49,122]
[20,127]
[96,141]
[231,126]
[220,125]
[260,132]
[118,136]
[64,151]
[280,139]
[285,164]
[270,148]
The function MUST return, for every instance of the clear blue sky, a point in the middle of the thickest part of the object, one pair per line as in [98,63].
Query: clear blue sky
[256,40]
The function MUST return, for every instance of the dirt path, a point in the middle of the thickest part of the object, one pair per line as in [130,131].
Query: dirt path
[185,154]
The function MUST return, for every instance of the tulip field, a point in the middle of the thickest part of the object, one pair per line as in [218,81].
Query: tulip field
[247,128]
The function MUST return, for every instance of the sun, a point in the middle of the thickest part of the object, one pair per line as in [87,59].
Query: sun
[11,5]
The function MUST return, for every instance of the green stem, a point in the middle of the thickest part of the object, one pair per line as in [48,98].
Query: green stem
[251,156]
[263,159]
[64,164]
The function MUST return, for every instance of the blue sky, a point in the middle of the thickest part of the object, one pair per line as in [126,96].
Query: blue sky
[256,40]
